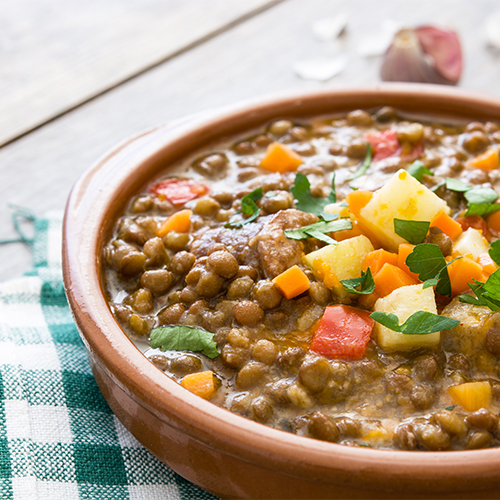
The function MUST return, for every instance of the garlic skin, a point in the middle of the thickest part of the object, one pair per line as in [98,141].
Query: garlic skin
[425,54]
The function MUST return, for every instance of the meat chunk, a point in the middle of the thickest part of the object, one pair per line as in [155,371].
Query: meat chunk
[276,252]
[261,244]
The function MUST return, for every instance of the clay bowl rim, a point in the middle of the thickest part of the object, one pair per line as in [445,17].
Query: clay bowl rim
[94,198]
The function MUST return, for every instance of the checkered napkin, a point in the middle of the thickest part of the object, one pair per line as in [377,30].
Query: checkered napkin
[58,437]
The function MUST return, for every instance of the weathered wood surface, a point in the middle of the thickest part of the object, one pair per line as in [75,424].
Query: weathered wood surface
[54,54]
[248,60]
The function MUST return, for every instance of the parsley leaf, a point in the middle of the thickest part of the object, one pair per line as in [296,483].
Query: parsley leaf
[413,231]
[364,166]
[494,251]
[184,338]
[365,282]
[456,185]
[429,263]
[451,408]
[487,294]
[417,170]
[306,202]
[481,201]
[419,323]
[318,230]
[248,207]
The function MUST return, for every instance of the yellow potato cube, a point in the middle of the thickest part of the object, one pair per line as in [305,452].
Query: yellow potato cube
[471,243]
[344,259]
[403,197]
[403,302]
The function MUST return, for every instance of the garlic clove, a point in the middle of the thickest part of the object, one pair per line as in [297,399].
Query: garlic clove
[426,54]
[444,47]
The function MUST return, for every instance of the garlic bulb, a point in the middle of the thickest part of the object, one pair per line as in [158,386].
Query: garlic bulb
[425,54]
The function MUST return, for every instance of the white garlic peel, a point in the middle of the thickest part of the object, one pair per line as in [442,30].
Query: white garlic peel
[426,54]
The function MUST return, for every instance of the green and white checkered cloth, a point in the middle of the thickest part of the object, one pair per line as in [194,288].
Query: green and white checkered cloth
[58,437]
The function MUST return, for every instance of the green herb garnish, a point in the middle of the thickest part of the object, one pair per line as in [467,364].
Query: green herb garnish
[184,338]
[494,251]
[364,166]
[413,231]
[248,207]
[481,201]
[456,185]
[318,230]
[419,323]
[365,282]
[451,408]
[305,201]
[486,294]
[417,170]
[429,263]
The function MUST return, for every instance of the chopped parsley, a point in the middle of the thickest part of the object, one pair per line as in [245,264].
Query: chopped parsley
[305,201]
[319,229]
[248,207]
[486,294]
[365,165]
[184,338]
[419,323]
[365,283]
[413,231]
[417,170]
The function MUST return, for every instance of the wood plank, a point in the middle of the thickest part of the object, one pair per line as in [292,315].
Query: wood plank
[252,59]
[57,54]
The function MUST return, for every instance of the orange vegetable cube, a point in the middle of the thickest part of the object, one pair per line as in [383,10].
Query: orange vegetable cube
[348,233]
[487,264]
[462,272]
[471,396]
[404,250]
[357,200]
[292,282]
[280,158]
[375,260]
[486,161]
[200,383]
[493,221]
[389,278]
[180,222]
[449,226]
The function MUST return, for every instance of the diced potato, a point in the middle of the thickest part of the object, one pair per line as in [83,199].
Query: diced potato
[337,208]
[345,259]
[403,302]
[403,197]
[472,243]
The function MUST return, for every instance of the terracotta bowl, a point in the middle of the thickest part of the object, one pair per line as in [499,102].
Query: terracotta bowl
[224,453]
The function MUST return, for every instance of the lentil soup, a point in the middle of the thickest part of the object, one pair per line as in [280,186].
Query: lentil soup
[262,276]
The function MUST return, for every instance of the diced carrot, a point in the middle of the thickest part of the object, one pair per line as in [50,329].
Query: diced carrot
[180,222]
[493,221]
[200,383]
[343,332]
[486,161]
[404,250]
[292,282]
[357,200]
[348,233]
[449,226]
[326,274]
[376,259]
[463,271]
[280,158]
[389,278]
[487,264]
[471,396]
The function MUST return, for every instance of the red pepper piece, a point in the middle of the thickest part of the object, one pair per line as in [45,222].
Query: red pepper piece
[476,222]
[179,191]
[343,332]
[384,144]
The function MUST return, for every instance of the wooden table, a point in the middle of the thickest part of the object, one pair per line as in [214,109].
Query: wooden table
[78,77]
